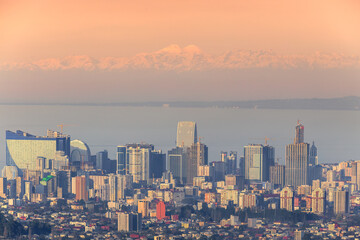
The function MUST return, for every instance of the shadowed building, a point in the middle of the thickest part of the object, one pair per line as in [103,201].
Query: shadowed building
[297,160]
[197,155]
[258,159]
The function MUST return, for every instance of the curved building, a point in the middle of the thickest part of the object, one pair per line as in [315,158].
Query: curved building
[79,151]
[10,172]
[23,149]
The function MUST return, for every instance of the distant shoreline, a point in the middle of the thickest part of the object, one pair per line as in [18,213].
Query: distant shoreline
[345,103]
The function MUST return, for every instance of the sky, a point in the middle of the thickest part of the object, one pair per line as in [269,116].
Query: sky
[113,51]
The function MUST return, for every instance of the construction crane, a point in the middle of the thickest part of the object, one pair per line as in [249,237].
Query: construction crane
[62,127]
[266,139]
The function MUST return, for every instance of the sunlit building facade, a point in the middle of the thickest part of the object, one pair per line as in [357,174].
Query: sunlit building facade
[186,134]
[22,149]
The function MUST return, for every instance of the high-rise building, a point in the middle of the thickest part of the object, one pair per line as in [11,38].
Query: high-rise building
[186,134]
[81,188]
[318,201]
[113,185]
[342,202]
[129,222]
[101,160]
[22,149]
[157,164]
[143,208]
[28,190]
[219,170]
[20,187]
[287,199]
[141,161]
[197,155]
[121,160]
[160,210]
[231,164]
[124,182]
[297,160]
[3,187]
[177,163]
[230,161]
[277,175]
[258,159]
[313,157]
[299,133]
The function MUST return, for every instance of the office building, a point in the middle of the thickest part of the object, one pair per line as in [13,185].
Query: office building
[342,202]
[141,161]
[313,157]
[121,160]
[157,164]
[22,149]
[197,155]
[186,134]
[3,187]
[28,191]
[177,163]
[297,160]
[81,190]
[143,208]
[318,201]
[287,199]
[258,160]
[124,182]
[129,222]
[113,187]
[230,161]
[219,170]
[299,133]
[160,210]
[277,175]
[20,187]
[101,160]
[206,171]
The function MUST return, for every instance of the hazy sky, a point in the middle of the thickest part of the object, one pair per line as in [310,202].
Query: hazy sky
[178,50]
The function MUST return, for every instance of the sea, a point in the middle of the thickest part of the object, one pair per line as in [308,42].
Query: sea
[336,133]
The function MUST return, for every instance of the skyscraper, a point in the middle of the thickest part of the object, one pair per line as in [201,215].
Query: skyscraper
[299,133]
[197,155]
[297,160]
[141,161]
[157,164]
[22,149]
[177,163]
[258,159]
[121,160]
[81,188]
[342,202]
[160,210]
[313,158]
[277,175]
[186,134]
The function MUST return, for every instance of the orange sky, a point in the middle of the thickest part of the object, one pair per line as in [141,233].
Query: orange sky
[311,38]
[33,30]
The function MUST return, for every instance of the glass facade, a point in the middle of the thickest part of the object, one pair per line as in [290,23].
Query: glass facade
[23,149]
